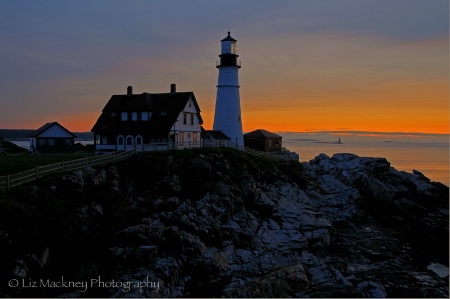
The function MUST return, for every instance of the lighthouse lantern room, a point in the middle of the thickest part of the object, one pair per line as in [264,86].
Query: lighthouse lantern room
[227,117]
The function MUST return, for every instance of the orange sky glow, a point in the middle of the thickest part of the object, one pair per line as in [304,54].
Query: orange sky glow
[305,67]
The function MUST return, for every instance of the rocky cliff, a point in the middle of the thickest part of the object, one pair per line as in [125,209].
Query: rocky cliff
[217,223]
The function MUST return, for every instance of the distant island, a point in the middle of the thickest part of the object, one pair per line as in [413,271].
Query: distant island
[23,134]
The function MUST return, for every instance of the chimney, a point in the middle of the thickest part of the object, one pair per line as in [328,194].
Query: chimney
[129,90]
[173,88]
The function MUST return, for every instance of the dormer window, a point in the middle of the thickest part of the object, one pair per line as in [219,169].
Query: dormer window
[124,116]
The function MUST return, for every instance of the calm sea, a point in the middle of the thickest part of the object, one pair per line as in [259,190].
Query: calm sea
[430,158]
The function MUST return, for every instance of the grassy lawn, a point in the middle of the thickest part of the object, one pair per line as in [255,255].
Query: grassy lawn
[15,159]
[10,164]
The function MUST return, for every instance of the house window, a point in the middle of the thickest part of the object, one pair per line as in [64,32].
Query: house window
[129,140]
[134,116]
[181,137]
[51,142]
[195,137]
[120,140]
[124,116]
[144,116]
[192,119]
[41,141]
[139,139]
[68,142]
[184,118]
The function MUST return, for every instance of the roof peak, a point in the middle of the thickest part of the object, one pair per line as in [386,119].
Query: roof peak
[262,132]
[228,38]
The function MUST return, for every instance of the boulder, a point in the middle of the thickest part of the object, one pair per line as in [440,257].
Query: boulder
[281,283]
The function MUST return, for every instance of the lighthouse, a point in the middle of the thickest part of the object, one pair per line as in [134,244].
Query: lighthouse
[227,116]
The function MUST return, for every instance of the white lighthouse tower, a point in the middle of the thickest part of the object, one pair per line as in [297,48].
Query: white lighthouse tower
[227,117]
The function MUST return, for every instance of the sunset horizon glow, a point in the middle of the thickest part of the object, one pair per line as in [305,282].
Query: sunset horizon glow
[373,66]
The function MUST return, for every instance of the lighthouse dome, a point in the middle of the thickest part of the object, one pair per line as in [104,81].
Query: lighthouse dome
[228,38]
[229,47]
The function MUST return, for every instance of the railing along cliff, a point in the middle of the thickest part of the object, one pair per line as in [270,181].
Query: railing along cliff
[13,180]
[284,155]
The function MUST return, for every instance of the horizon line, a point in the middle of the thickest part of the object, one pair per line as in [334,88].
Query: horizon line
[307,131]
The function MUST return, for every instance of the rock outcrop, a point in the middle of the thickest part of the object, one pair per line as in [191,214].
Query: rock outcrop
[221,224]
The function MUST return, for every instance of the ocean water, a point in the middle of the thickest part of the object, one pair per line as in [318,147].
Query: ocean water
[430,158]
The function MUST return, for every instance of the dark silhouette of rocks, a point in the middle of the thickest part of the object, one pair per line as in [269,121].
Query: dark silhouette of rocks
[217,223]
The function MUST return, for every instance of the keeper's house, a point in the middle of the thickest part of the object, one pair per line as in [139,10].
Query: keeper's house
[149,122]
[52,138]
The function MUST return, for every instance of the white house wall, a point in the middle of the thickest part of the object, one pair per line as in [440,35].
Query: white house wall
[187,129]
[55,131]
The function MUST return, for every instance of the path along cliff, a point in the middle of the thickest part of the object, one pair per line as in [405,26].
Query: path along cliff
[218,223]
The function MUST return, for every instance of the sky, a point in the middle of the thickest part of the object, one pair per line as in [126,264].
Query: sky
[307,66]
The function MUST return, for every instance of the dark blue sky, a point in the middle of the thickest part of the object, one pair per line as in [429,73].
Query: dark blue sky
[62,60]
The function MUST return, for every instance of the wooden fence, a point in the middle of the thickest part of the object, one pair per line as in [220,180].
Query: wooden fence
[283,155]
[13,180]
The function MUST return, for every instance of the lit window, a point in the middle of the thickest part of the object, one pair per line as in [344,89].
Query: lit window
[181,137]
